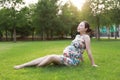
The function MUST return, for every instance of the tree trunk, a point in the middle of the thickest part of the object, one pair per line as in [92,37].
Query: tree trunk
[116,32]
[14,35]
[11,35]
[43,35]
[115,35]
[47,35]
[1,35]
[51,34]
[6,34]
[98,26]
[33,34]
[108,32]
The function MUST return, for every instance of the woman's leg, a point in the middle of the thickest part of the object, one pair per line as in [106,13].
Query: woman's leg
[31,63]
[50,59]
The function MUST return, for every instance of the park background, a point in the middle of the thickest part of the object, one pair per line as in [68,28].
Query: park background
[57,19]
[44,27]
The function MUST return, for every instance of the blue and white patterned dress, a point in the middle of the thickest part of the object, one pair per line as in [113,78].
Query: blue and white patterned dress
[73,53]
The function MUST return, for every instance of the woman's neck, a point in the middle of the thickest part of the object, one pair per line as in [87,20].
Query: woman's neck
[82,33]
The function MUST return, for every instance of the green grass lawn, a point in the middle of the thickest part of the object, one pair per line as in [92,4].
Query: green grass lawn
[106,54]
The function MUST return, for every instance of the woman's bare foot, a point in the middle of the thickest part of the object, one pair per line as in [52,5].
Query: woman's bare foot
[18,67]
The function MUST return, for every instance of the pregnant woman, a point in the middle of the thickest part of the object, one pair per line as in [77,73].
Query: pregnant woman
[72,54]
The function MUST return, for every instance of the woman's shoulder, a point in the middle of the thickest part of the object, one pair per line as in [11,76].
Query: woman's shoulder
[82,37]
[86,36]
[77,36]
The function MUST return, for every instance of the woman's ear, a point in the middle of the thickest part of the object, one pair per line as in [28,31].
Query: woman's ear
[86,29]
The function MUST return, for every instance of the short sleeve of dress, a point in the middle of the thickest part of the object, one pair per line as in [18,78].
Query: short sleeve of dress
[77,37]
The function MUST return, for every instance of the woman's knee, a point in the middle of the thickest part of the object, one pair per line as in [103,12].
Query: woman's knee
[53,56]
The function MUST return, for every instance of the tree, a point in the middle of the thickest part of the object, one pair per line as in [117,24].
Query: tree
[86,14]
[46,16]
[98,8]
[115,17]
[32,19]
[14,6]
[23,27]
[69,17]
[4,22]
[107,10]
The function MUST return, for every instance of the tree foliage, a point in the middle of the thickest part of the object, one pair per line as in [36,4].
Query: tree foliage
[50,18]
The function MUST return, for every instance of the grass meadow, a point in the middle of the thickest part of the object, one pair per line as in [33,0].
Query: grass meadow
[106,54]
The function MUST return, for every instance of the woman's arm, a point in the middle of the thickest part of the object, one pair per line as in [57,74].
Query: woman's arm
[81,58]
[88,49]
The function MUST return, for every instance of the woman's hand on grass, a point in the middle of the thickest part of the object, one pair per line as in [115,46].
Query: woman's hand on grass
[94,65]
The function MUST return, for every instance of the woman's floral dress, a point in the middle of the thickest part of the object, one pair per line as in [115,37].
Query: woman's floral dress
[73,53]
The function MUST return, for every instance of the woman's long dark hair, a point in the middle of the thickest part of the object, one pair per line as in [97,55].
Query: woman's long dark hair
[87,26]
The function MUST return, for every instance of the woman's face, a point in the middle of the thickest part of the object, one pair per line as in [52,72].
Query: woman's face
[81,27]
